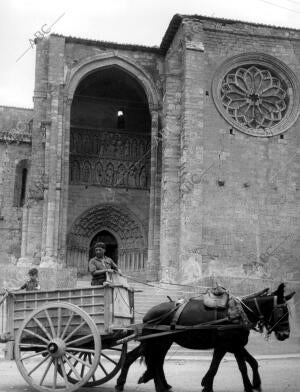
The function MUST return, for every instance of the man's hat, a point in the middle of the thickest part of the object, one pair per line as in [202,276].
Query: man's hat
[100,245]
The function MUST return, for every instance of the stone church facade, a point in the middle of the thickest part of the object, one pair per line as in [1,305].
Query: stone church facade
[183,158]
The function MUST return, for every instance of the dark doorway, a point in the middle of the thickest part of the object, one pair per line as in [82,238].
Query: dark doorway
[110,242]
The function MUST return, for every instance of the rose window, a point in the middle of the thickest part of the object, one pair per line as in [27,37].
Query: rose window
[257,94]
[254,97]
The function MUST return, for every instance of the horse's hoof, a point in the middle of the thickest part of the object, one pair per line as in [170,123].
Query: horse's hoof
[119,387]
[169,386]
[257,388]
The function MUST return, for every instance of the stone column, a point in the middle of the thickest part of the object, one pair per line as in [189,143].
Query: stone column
[191,154]
[65,157]
[54,148]
[169,231]
[154,213]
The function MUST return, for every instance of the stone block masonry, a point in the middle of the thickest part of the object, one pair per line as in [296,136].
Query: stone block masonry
[15,147]
[228,218]
[217,105]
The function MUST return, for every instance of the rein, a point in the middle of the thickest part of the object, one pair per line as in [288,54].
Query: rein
[278,321]
[261,319]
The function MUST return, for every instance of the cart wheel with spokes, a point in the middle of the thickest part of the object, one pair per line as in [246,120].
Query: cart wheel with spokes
[47,347]
[111,361]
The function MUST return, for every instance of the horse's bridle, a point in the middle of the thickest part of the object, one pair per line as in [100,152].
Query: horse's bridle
[279,312]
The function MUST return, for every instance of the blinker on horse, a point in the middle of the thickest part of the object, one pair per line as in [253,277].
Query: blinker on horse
[270,311]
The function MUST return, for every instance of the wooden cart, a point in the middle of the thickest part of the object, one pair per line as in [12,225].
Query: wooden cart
[65,339]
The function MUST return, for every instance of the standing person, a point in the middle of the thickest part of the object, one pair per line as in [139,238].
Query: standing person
[99,264]
[33,281]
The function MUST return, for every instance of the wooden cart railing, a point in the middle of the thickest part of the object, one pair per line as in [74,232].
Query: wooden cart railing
[72,332]
[3,316]
[110,306]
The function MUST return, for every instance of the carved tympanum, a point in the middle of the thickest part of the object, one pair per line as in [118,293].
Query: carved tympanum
[116,220]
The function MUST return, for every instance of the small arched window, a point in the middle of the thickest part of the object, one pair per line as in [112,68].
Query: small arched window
[21,183]
[121,120]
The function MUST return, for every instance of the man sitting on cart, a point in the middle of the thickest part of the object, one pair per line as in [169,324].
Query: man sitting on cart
[99,265]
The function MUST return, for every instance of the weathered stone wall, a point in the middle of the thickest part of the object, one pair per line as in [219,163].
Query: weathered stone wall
[255,217]
[239,199]
[14,120]
[15,146]
[171,152]
[80,50]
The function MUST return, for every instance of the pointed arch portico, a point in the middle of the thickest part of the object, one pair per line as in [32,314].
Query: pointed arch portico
[54,243]
[110,59]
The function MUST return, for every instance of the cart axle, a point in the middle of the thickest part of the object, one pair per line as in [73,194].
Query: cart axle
[57,348]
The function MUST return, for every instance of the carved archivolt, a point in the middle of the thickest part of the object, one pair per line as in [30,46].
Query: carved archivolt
[108,59]
[120,222]
[257,94]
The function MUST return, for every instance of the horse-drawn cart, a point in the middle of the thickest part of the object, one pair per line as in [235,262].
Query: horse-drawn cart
[64,339]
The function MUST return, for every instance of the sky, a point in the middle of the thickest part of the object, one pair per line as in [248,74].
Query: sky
[125,21]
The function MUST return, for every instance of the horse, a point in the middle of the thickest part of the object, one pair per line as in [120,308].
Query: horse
[271,310]
[140,351]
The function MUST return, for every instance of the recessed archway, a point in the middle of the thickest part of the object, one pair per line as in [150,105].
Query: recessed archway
[118,222]
[109,59]
[96,174]
[110,135]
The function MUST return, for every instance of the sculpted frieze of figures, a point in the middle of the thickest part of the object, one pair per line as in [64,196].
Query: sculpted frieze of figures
[109,173]
[109,158]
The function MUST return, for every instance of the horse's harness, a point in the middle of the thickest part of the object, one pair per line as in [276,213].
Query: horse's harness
[279,311]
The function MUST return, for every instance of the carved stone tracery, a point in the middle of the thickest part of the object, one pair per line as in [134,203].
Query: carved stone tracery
[254,97]
[110,158]
[257,94]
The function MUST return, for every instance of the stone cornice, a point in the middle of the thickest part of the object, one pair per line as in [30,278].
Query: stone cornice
[229,26]
[249,34]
